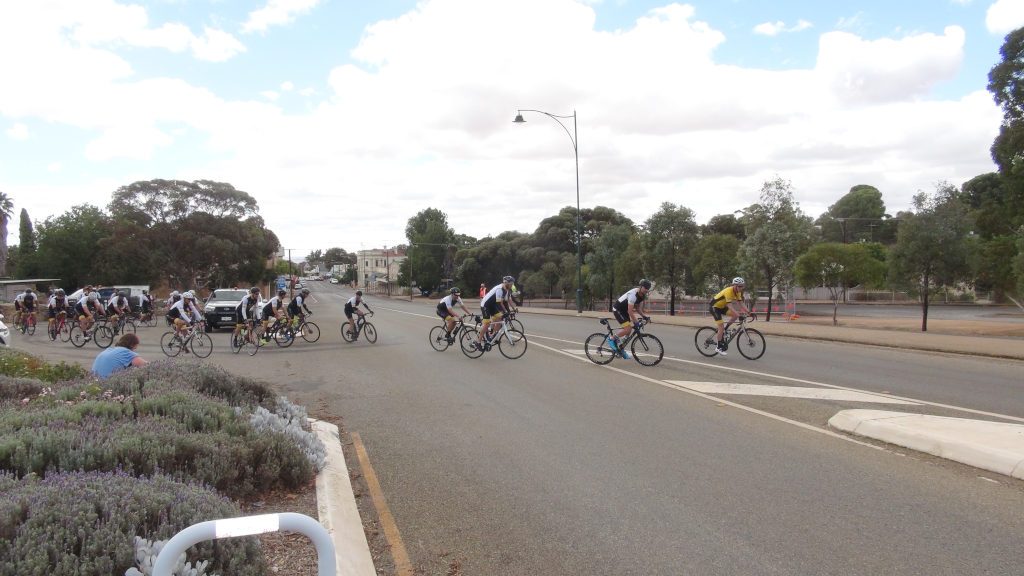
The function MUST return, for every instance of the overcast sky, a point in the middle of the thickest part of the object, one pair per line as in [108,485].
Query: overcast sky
[344,118]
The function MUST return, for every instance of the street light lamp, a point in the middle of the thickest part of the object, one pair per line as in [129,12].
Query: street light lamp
[573,137]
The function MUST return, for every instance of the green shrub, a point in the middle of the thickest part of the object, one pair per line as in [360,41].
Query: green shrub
[22,365]
[85,524]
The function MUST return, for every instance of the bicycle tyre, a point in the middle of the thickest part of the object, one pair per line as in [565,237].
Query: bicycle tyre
[438,340]
[750,343]
[237,342]
[201,344]
[597,349]
[310,331]
[51,330]
[283,337]
[346,332]
[30,325]
[170,344]
[249,344]
[706,341]
[466,340]
[129,327]
[515,324]
[77,337]
[370,333]
[103,336]
[513,345]
[647,349]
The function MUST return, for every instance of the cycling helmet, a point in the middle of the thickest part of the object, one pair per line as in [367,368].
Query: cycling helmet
[508,279]
[189,295]
[254,290]
[124,293]
[59,292]
[645,283]
[305,291]
[359,292]
[281,293]
[738,281]
[455,290]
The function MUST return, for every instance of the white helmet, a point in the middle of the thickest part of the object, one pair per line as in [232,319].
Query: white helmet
[175,293]
[738,281]
[189,295]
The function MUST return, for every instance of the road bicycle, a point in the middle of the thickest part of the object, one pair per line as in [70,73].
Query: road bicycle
[99,333]
[511,342]
[59,327]
[27,323]
[645,348]
[513,322]
[122,325]
[749,341]
[362,327]
[250,338]
[305,329]
[172,343]
[146,319]
[439,337]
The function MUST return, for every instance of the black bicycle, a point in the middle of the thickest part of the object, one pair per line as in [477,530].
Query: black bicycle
[362,327]
[439,337]
[646,348]
[749,341]
[510,342]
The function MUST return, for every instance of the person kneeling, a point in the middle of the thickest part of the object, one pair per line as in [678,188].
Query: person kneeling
[118,357]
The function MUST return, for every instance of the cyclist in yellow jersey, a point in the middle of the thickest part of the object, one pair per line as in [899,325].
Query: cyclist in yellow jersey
[725,303]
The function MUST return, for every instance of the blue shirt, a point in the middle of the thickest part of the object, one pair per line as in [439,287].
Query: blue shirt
[111,360]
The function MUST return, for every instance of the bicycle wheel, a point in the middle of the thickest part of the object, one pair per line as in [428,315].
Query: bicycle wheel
[150,321]
[466,341]
[201,344]
[170,344]
[370,333]
[310,331]
[750,343]
[438,338]
[647,349]
[249,344]
[64,332]
[77,337]
[129,327]
[51,330]
[346,332]
[706,341]
[515,324]
[30,326]
[283,336]
[237,342]
[511,343]
[597,348]
[103,336]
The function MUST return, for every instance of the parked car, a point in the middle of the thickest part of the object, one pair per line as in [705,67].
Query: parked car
[334,280]
[105,294]
[220,307]
[5,332]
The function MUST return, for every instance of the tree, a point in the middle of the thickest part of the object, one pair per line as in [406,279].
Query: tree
[859,216]
[27,266]
[670,235]
[608,248]
[838,266]
[715,262]
[931,247]
[431,254]
[725,225]
[172,200]
[6,211]
[777,232]
[68,245]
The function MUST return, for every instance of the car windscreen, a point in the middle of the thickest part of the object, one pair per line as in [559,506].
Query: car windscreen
[228,295]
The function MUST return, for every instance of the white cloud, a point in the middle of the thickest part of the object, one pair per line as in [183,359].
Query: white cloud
[216,46]
[54,167]
[773,29]
[276,13]
[270,95]
[1004,16]
[18,132]
[287,86]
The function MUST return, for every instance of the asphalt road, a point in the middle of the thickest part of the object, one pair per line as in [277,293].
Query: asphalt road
[552,465]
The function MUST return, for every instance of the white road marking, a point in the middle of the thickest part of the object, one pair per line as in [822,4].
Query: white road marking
[788,392]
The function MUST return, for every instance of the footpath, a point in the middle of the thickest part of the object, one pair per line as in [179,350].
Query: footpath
[989,445]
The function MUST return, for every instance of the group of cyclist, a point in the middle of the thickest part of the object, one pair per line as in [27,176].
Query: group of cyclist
[253,308]
[628,309]
[86,309]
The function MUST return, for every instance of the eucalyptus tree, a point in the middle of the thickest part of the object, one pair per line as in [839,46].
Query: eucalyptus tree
[6,211]
[777,233]
[931,248]
[669,237]
[609,247]
[715,262]
[838,267]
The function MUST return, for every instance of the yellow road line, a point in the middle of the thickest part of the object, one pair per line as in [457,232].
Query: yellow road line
[387,521]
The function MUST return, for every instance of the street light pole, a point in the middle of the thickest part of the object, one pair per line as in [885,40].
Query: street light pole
[574,138]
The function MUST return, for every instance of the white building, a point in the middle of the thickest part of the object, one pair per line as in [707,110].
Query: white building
[377,270]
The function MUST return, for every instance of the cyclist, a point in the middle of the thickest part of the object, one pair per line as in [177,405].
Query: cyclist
[23,302]
[496,301]
[87,308]
[351,307]
[56,306]
[272,309]
[118,305]
[246,310]
[183,312]
[147,302]
[446,309]
[725,303]
[626,309]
